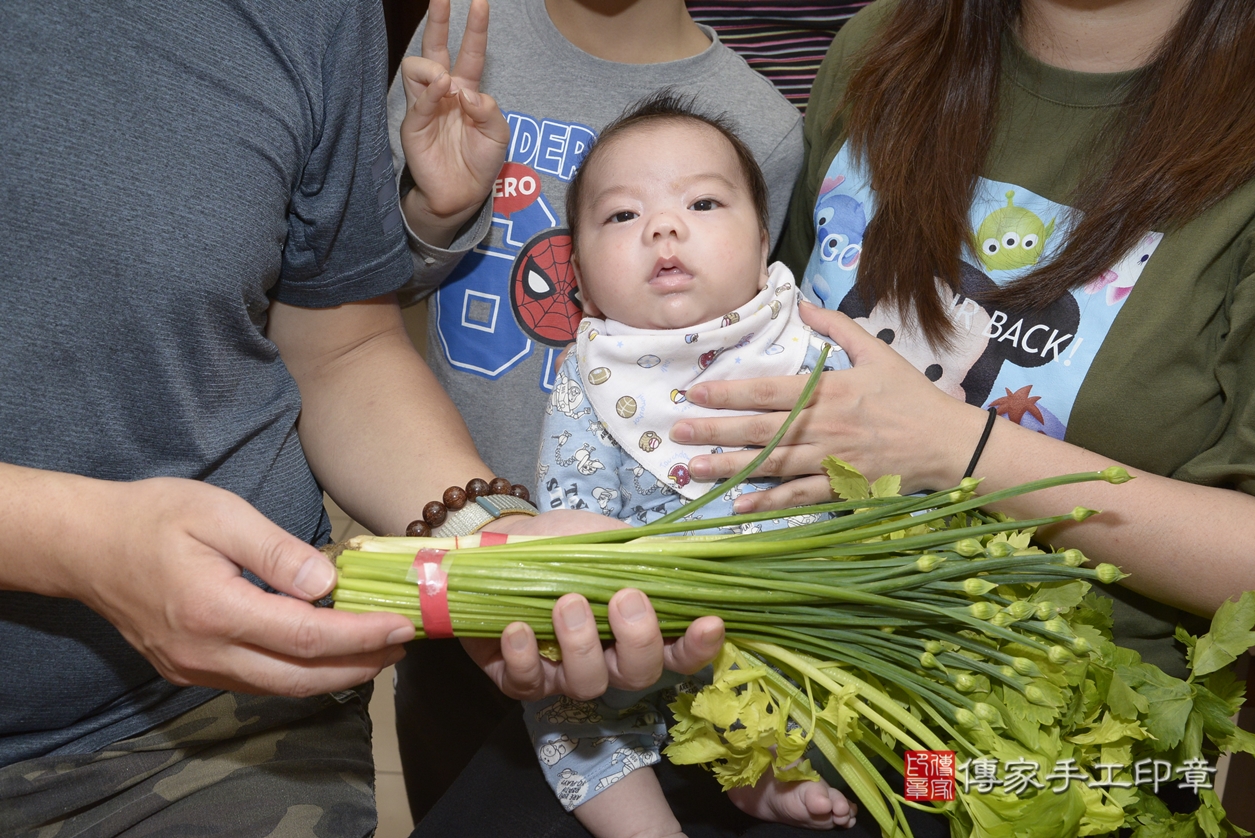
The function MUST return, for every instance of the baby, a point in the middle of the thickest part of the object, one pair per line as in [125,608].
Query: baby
[668,217]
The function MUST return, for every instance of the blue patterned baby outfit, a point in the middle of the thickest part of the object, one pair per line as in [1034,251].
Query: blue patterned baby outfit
[605,448]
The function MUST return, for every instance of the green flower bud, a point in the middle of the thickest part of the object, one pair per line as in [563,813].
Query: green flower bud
[983,610]
[1008,672]
[1024,666]
[927,660]
[987,713]
[1021,608]
[999,549]
[1080,513]
[968,547]
[1108,573]
[1081,646]
[1002,619]
[1115,475]
[1045,610]
[964,682]
[1058,625]
[1059,655]
[1073,557]
[888,629]
[975,586]
[934,646]
[928,562]
[969,484]
[966,718]
[1035,695]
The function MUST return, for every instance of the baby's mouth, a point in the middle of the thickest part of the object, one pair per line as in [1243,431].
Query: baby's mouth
[670,272]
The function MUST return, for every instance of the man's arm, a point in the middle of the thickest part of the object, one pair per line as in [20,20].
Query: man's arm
[384,439]
[378,430]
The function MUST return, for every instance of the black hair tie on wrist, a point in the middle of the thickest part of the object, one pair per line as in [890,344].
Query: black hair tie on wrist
[980,446]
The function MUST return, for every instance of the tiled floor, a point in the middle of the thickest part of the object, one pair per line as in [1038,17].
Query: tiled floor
[394,812]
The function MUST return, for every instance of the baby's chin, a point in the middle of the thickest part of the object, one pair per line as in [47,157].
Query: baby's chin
[683,314]
[681,321]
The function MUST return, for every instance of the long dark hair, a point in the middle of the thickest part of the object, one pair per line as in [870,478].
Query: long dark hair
[921,112]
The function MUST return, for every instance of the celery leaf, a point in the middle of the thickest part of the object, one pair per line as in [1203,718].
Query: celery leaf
[847,482]
[1229,637]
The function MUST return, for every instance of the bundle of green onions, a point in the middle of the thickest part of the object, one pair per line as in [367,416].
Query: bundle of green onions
[907,623]
[889,625]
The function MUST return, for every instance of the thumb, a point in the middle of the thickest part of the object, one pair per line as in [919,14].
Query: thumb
[842,330]
[425,83]
[700,644]
[484,113]
[281,560]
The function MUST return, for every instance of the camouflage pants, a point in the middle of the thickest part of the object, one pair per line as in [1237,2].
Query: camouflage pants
[238,765]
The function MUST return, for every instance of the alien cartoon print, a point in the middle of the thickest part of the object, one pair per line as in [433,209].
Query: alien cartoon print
[1027,364]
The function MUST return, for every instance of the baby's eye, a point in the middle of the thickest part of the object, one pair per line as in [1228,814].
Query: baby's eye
[703,204]
[621,217]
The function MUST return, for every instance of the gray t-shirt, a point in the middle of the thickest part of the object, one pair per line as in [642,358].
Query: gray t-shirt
[170,169]
[497,323]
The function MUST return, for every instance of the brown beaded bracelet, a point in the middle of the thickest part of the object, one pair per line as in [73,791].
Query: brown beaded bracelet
[436,513]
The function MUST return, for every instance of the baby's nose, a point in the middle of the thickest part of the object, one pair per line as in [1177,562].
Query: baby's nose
[666,223]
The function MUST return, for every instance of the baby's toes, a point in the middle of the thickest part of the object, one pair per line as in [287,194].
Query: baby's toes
[809,804]
[843,811]
[819,800]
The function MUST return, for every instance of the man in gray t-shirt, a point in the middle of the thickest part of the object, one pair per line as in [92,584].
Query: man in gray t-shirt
[201,241]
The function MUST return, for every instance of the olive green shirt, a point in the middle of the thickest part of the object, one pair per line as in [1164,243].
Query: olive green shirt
[1169,389]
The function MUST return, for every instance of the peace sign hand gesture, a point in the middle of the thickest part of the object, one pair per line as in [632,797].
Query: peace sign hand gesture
[454,137]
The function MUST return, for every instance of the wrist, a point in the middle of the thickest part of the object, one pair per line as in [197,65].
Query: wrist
[467,510]
[957,449]
[438,229]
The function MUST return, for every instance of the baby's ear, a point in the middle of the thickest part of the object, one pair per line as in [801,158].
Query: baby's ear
[590,308]
[762,265]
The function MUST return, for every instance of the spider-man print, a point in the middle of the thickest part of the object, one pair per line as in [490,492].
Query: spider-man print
[543,290]
[475,318]
[486,321]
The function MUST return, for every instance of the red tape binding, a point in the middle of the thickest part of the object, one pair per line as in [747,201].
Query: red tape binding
[433,593]
[492,539]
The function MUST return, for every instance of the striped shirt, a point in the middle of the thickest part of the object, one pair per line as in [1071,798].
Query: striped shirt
[783,40]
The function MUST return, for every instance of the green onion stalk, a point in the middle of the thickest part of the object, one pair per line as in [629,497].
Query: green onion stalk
[888,624]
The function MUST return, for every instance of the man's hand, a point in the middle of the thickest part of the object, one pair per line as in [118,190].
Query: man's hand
[454,137]
[634,662]
[164,568]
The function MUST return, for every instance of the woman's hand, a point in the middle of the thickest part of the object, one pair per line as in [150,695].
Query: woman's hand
[882,416]
[454,137]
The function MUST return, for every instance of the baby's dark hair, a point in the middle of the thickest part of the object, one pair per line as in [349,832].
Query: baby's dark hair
[668,106]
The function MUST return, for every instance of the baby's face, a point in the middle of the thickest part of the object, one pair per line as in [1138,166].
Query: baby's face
[668,236]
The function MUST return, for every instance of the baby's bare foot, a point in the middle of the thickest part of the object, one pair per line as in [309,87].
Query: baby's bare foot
[814,805]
